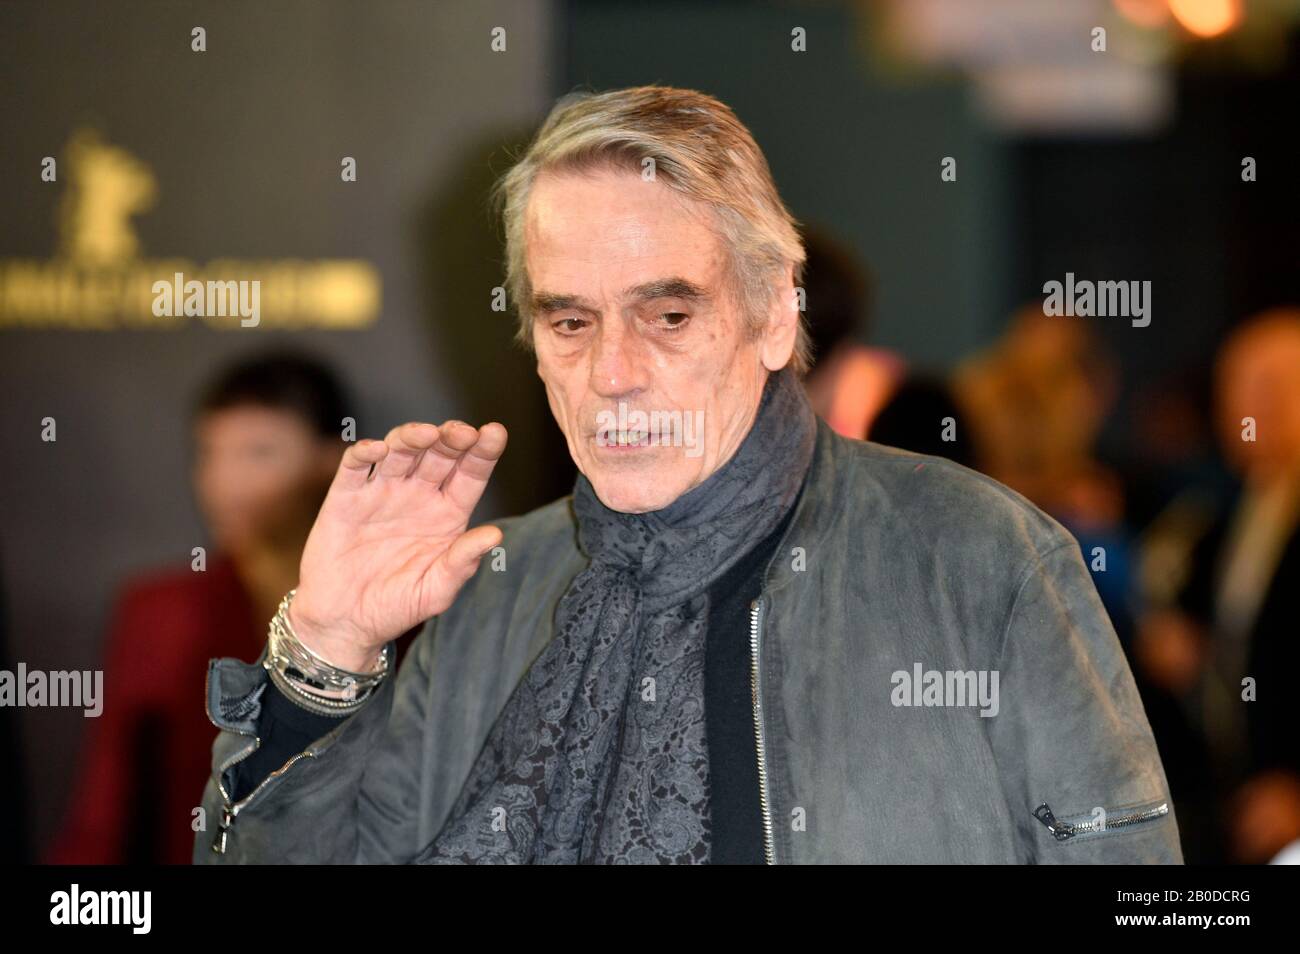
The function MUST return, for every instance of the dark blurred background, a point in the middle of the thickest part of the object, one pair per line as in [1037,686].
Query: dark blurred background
[1121,164]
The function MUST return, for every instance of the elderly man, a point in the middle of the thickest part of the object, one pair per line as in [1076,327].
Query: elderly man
[742,638]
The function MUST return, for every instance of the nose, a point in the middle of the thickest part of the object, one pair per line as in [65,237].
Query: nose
[619,363]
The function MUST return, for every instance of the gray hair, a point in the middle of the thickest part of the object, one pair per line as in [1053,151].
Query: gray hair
[699,149]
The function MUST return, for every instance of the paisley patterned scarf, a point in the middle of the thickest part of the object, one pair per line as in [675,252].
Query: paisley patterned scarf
[600,753]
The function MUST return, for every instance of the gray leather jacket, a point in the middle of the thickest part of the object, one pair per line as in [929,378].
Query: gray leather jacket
[894,566]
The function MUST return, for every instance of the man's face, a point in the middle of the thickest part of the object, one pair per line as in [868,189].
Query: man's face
[647,363]
[1257,379]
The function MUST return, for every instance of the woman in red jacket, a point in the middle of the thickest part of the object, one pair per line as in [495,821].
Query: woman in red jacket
[267,442]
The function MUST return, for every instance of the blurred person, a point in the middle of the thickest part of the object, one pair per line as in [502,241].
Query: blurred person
[1174,471]
[859,390]
[1035,404]
[267,439]
[1037,401]
[849,381]
[1236,615]
[1178,485]
[916,418]
[643,672]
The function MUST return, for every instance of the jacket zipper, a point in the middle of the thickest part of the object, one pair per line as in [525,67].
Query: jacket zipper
[760,742]
[230,811]
[1063,831]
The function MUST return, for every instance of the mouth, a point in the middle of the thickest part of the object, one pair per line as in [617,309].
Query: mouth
[629,440]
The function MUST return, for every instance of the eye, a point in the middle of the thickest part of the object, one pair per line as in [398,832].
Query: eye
[673,320]
[569,326]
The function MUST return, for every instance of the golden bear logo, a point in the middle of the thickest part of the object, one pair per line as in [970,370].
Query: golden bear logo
[106,186]
[99,278]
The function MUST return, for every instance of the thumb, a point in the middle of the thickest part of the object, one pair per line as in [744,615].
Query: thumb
[471,546]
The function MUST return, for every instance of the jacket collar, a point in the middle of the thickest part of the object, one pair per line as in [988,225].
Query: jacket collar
[818,502]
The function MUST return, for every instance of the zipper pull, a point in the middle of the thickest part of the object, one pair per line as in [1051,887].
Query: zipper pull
[223,831]
[1044,814]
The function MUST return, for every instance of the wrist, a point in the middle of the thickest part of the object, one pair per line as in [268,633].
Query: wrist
[311,678]
[338,651]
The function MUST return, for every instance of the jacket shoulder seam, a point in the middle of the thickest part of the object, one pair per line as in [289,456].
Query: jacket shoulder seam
[1032,565]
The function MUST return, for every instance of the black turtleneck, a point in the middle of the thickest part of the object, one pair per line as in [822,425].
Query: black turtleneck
[735,813]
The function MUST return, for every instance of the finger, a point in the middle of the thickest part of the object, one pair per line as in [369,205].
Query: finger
[357,460]
[465,485]
[406,444]
[463,556]
[454,438]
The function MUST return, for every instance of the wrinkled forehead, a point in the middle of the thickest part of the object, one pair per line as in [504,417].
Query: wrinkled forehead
[608,228]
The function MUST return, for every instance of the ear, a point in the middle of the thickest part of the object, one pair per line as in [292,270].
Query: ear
[782,324]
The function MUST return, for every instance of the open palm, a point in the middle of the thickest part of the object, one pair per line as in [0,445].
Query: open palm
[391,548]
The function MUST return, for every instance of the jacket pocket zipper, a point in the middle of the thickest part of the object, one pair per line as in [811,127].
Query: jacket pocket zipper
[1083,825]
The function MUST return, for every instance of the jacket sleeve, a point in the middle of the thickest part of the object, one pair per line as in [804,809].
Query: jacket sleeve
[1071,733]
[352,796]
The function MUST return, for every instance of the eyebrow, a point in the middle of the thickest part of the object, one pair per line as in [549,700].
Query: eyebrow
[676,287]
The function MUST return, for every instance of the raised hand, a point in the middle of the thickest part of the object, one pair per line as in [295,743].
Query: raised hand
[391,548]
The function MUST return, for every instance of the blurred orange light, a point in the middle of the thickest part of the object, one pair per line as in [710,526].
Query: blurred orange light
[1144,13]
[1207,18]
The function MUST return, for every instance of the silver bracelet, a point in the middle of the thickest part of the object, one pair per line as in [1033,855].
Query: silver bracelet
[311,681]
[320,705]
